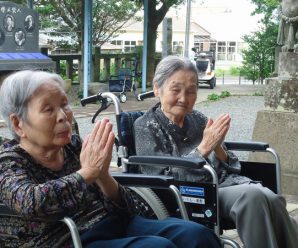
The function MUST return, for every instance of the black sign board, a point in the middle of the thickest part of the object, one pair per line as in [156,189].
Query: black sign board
[18,28]
[19,38]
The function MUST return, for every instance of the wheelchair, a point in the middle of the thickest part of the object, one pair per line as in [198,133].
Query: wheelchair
[125,80]
[200,200]
[197,202]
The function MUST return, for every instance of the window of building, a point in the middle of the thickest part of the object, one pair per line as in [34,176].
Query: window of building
[213,46]
[231,51]
[178,47]
[129,45]
[221,50]
[117,42]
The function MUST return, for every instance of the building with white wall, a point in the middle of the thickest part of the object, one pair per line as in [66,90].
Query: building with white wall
[215,24]
[132,35]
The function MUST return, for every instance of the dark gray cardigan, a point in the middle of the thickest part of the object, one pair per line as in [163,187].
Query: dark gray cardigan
[155,134]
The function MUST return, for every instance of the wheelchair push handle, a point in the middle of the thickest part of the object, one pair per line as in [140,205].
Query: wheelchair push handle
[91,99]
[105,99]
[145,95]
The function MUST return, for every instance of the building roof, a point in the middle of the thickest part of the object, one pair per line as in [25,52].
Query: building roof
[178,24]
[25,61]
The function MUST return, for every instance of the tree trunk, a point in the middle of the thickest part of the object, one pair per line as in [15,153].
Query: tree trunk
[155,17]
[151,54]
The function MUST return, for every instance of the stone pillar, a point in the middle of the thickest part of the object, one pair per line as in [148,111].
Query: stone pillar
[69,69]
[96,67]
[278,123]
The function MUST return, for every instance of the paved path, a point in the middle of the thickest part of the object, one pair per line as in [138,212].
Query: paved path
[133,105]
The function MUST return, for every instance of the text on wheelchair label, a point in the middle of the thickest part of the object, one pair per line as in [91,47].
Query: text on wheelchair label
[193,200]
[186,190]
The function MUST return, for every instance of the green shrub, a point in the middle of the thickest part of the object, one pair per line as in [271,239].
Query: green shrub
[234,71]
[224,94]
[219,72]
[213,97]
[258,93]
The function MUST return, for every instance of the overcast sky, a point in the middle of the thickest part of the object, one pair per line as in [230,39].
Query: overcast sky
[225,19]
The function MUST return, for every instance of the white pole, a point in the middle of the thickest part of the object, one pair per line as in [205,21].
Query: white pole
[145,42]
[187,28]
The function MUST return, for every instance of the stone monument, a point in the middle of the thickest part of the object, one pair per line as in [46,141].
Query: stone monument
[278,123]
[19,39]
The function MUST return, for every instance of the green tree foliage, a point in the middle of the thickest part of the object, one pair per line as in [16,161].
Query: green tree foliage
[258,58]
[267,8]
[64,17]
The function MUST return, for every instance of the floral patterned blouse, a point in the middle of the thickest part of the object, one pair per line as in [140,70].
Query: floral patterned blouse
[41,197]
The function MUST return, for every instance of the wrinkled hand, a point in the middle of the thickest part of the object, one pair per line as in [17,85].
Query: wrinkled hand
[214,134]
[96,153]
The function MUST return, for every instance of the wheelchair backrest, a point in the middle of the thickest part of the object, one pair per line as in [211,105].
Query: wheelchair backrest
[124,74]
[127,120]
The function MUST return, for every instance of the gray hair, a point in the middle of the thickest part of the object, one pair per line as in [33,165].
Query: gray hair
[169,65]
[16,91]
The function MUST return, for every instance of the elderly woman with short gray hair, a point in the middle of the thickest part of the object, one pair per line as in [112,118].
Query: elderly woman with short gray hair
[47,173]
[174,128]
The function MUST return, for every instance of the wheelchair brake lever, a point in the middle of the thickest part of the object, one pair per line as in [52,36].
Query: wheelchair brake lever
[104,105]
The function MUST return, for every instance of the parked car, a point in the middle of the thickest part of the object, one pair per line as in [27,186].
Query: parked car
[205,65]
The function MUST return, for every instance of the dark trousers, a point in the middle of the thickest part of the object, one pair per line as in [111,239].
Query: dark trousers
[138,232]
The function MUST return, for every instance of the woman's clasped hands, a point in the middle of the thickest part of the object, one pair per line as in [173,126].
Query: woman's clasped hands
[214,134]
[96,152]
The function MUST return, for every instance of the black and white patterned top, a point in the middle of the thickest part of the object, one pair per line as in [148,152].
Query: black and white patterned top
[155,134]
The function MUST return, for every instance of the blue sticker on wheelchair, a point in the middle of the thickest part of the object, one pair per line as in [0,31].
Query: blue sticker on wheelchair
[186,190]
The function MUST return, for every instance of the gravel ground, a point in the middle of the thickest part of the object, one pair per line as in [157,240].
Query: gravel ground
[243,111]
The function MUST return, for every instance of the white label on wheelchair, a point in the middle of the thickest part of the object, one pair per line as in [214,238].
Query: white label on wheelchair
[197,215]
[193,200]
[186,190]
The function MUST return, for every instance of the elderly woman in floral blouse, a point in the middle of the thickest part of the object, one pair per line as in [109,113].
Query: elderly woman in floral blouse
[46,173]
[174,128]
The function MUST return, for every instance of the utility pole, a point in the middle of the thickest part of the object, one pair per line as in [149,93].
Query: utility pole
[187,28]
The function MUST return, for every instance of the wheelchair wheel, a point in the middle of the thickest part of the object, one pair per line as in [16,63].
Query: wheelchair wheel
[149,204]
[122,97]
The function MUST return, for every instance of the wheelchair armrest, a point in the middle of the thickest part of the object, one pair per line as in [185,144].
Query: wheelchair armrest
[161,161]
[6,211]
[246,146]
[129,179]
